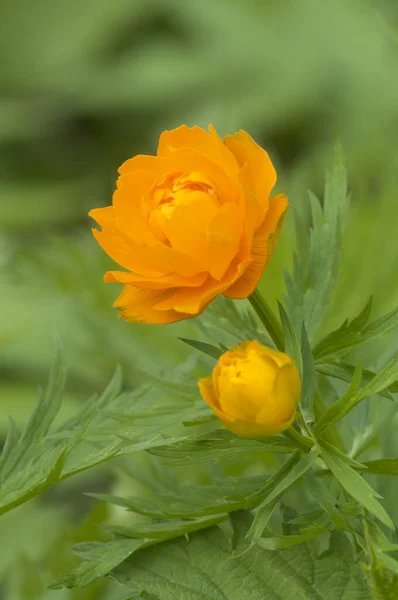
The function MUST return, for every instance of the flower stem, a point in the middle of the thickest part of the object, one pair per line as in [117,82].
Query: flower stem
[303,443]
[267,318]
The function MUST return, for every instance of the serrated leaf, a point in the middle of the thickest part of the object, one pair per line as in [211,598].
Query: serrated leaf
[43,414]
[315,262]
[345,372]
[203,569]
[225,495]
[287,475]
[355,485]
[341,341]
[326,501]
[100,559]
[353,396]
[218,445]
[341,407]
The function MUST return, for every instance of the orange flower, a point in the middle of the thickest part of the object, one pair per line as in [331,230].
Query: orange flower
[188,224]
[254,390]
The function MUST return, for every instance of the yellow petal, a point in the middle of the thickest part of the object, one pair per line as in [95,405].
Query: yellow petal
[281,404]
[207,392]
[252,430]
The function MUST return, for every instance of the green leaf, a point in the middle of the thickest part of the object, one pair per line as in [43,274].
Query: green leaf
[208,349]
[382,581]
[166,530]
[341,407]
[308,376]
[383,380]
[315,263]
[17,447]
[354,395]
[355,485]
[292,346]
[287,541]
[341,341]
[203,569]
[382,466]
[345,372]
[218,445]
[326,501]
[286,476]
[223,495]
[99,559]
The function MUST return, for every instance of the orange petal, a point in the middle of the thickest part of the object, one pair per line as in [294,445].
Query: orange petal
[119,247]
[152,261]
[187,225]
[193,300]
[142,162]
[263,246]
[137,306]
[187,160]
[130,202]
[205,143]
[256,168]
[170,280]
[224,238]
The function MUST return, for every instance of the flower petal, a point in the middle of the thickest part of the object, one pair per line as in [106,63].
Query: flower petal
[152,261]
[194,300]
[203,142]
[170,280]
[186,227]
[119,247]
[263,247]
[130,201]
[251,430]
[224,237]
[280,405]
[137,306]
[208,394]
[257,169]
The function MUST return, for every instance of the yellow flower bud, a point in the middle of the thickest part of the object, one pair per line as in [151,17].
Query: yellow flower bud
[254,390]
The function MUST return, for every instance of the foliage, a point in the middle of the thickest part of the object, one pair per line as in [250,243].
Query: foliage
[83,87]
[281,516]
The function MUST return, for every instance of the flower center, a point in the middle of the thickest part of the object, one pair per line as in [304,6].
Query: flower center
[185,193]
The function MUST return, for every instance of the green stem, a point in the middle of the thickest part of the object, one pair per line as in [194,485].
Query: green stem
[267,318]
[303,443]
[305,424]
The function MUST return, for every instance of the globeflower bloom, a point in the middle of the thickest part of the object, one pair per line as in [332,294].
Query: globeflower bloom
[254,390]
[195,221]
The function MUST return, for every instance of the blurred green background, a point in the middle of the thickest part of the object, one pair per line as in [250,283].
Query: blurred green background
[86,84]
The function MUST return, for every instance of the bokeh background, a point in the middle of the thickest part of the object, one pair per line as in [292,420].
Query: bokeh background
[85,84]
